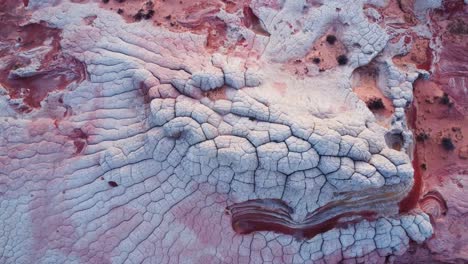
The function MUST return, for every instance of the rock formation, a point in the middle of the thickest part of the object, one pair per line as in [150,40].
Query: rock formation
[218,131]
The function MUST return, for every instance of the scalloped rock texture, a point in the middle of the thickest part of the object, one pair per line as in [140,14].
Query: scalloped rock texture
[218,131]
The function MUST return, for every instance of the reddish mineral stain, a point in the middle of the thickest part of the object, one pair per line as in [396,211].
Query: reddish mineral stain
[52,70]
[79,139]
[275,215]
[419,55]
[218,94]
[251,21]
[411,200]
[197,17]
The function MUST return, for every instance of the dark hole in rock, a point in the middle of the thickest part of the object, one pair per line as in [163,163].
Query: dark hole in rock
[112,184]
[375,103]
[316,60]
[331,39]
[422,136]
[139,15]
[149,14]
[445,100]
[342,59]
[394,140]
[447,144]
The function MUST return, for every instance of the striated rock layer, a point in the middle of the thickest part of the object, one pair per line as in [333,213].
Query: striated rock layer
[232,131]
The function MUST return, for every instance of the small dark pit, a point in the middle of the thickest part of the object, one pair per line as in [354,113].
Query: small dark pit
[105,1]
[342,60]
[252,118]
[120,1]
[421,137]
[139,15]
[445,100]
[316,60]
[447,144]
[149,14]
[112,184]
[120,11]
[331,39]
[375,104]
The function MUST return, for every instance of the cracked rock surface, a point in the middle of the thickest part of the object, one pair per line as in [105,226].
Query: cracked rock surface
[209,132]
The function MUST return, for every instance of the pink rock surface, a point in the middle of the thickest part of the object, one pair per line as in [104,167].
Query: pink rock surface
[218,131]
[440,113]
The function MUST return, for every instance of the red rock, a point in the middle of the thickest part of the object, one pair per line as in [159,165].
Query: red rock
[463,152]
